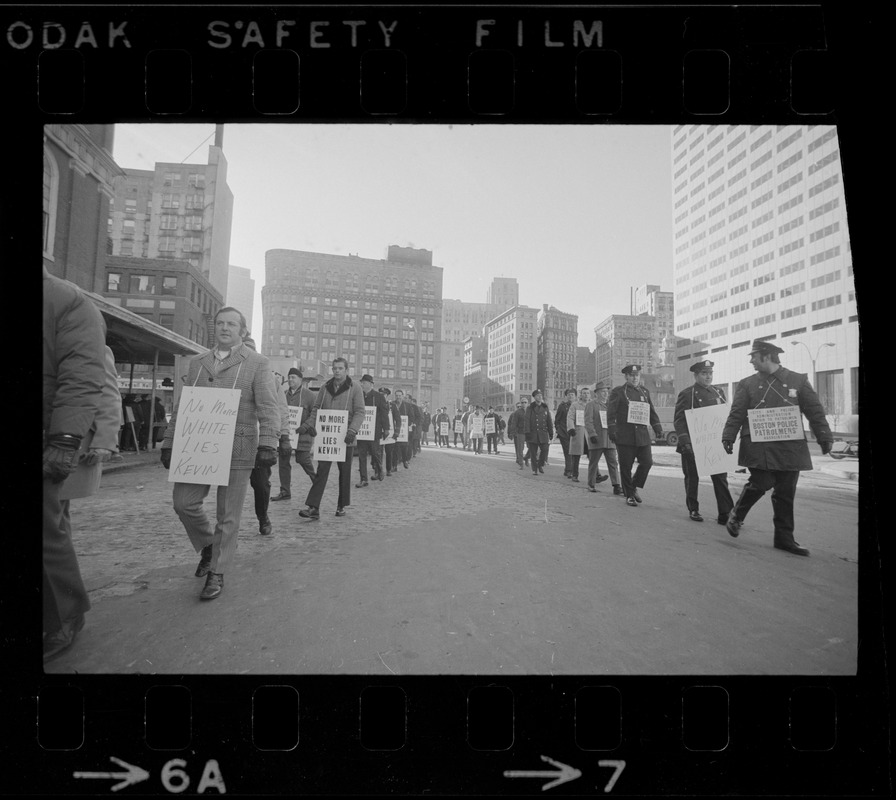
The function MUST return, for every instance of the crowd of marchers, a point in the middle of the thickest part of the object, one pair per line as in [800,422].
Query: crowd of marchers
[82,417]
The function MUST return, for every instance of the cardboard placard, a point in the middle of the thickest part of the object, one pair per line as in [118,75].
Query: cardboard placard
[203,436]
[778,424]
[489,424]
[705,426]
[580,417]
[403,433]
[366,432]
[387,439]
[331,426]
[443,429]
[602,412]
[295,419]
[476,427]
[458,426]
[638,413]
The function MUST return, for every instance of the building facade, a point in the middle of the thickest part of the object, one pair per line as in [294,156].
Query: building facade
[383,315]
[648,300]
[585,367]
[177,211]
[512,355]
[503,292]
[624,339]
[761,251]
[558,336]
[241,292]
[475,349]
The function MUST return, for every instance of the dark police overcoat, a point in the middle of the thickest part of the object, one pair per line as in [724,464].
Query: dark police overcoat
[617,415]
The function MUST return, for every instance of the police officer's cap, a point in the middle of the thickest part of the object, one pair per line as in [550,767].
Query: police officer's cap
[631,369]
[384,390]
[702,366]
[765,348]
[537,391]
[367,378]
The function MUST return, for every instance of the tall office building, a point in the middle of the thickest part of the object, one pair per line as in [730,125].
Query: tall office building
[556,347]
[586,374]
[512,356]
[648,300]
[624,339]
[475,350]
[177,211]
[241,292]
[379,314]
[503,292]
[761,251]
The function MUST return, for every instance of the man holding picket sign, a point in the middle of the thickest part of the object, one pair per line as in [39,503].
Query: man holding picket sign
[335,419]
[226,422]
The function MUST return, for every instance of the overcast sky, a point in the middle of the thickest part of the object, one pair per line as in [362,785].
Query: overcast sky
[577,213]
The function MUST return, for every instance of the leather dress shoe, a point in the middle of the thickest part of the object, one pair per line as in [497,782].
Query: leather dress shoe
[793,547]
[340,512]
[617,489]
[362,484]
[541,470]
[733,525]
[521,466]
[265,528]
[214,585]
[205,561]
[591,488]
[602,478]
[630,501]
[59,641]
[574,479]
[636,496]
[695,516]
[310,513]
[282,496]
[722,519]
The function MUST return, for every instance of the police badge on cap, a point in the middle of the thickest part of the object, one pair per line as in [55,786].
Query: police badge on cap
[631,369]
[702,366]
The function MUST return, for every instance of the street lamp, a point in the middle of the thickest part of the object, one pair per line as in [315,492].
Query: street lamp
[412,328]
[825,344]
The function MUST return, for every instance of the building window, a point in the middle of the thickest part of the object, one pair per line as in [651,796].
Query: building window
[170,201]
[141,284]
[169,284]
[192,244]
[195,201]
[193,222]
[196,180]
[854,380]
[168,222]
[167,321]
[171,177]
[113,282]
[829,386]
[167,244]
[127,248]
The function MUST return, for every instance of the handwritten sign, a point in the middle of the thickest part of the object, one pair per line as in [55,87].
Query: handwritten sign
[638,413]
[443,429]
[603,417]
[295,419]
[489,424]
[476,427]
[329,444]
[387,439]
[705,426]
[403,433]
[580,417]
[458,426]
[780,424]
[366,432]
[203,436]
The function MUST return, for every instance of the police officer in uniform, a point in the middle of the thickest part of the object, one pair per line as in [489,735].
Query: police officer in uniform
[632,439]
[774,465]
[702,393]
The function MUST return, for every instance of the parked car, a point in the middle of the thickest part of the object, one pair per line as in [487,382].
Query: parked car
[666,415]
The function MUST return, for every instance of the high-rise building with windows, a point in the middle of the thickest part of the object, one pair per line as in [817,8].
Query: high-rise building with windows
[379,314]
[503,292]
[177,211]
[241,292]
[512,355]
[557,343]
[648,300]
[624,339]
[761,251]
[586,374]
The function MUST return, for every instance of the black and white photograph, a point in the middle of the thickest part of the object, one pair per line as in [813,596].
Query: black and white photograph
[591,391]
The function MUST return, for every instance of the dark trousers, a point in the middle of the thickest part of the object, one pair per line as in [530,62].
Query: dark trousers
[391,457]
[783,486]
[64,595]
[303,459]
[609,453]
[492,442]
[574,465]
[443,441]
[692,481]
[375,450]
[627,455]
[538,454]
[345,481]
[404,451]
[477,443]
[519,444]
[564,444]
[260,481]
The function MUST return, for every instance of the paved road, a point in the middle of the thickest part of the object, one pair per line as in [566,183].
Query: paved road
[464,564]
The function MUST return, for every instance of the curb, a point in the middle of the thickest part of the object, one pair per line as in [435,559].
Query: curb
[850,475]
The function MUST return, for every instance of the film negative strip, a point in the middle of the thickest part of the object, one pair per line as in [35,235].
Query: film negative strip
[391,726]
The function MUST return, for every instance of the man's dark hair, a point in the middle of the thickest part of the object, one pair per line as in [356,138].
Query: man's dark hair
[244,327]
[340,358]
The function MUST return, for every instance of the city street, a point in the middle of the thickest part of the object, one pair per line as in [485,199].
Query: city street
[465,564]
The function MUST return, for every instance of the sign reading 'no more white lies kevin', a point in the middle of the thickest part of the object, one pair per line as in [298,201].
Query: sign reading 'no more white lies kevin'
[366,432]
[779,424]
[203,436]
[705,426]
[331,426]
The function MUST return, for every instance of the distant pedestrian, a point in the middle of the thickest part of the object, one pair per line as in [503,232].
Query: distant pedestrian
[459,417]
[516,430]
[492,438]
[776,464]
[578,444]
[599,442]
[539,431]
[699,395]
[630,415]
[476,423]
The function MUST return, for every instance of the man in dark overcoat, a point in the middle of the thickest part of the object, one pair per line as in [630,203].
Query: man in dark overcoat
[562,431]
[297,395]
[599,443]
[539,431]
[774,464]
[632,438]
[373,448]
[699,395]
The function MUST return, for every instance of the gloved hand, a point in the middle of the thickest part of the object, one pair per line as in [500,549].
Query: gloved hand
[728,445]
[350,437]
[285,447]
[166,457]
[395,436]
[593,439]
[571,433]
[306,429]
[686,449]
[611,432]
[265,457]
[95,455]
[826,447]
[658,430]
[60,457]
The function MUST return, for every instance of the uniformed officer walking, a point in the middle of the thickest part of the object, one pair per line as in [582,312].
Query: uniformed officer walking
[774,464]
[628,404]
[699,395]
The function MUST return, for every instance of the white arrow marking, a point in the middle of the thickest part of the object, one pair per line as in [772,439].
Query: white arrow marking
[566,773]
[133,774]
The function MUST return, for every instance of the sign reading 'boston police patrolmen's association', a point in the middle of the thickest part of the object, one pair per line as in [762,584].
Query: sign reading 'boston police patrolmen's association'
[638,413]
[331,426]
[778,424]
[203,436]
